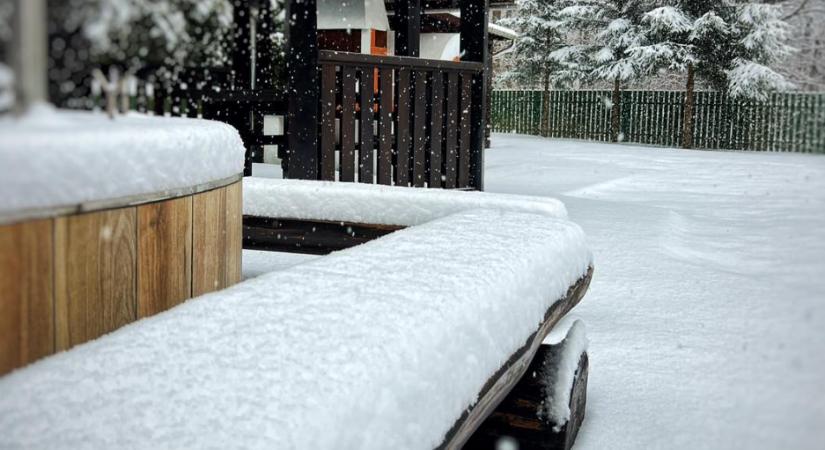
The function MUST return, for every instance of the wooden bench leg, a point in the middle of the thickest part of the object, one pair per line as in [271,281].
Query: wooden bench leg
[517,418]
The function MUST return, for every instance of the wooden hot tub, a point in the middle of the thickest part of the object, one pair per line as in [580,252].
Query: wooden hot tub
[71,272]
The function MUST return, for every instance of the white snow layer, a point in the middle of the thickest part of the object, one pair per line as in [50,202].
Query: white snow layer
[376,204]
[706,315]
[381,346]
[257,262]
[52,158]
[569,340]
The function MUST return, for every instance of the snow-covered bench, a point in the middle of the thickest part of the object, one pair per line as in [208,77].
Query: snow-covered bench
[408,341]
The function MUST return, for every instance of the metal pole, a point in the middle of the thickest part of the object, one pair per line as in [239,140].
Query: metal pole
[30,53]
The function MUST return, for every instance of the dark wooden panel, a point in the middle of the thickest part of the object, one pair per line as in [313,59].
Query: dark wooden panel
[451,145]
[385,133]
[340,40]
[328,123]
[419,160]
[95,274]
[164,255]
[348,82]
[464,130]
[436,147]
[366,161]
[306,236]
[26,293]
[402,149]
[516,417]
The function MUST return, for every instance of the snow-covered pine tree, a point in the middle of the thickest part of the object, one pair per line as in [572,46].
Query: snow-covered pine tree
[136,33]
[614,26]
[729,45]
[533,58]
[143,36]
[761,37]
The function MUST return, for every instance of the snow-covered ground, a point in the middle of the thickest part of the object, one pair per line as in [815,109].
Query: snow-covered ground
[706,316]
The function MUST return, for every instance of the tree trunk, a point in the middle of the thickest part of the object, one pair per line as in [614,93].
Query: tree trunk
[615,111]
[687,131]
[545,107]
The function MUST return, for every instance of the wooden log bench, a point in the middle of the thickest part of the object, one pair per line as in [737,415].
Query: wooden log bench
[411,340]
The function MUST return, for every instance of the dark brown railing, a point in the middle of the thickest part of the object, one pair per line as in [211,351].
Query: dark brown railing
[396,120]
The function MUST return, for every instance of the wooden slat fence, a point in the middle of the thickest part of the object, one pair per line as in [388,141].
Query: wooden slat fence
[789,122]
[396,120]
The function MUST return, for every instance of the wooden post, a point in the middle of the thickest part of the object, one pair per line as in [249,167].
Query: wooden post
[488,98]
[474,47]
[30,53]
[242,52]
[408,36]
[264,49]
[687,132]
[303,89]
[615,111]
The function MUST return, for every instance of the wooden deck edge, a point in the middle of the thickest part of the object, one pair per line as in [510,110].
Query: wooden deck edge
[506,378]
[316,237]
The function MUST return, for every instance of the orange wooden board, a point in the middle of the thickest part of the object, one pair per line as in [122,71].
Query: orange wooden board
[95,282]
[164,255]
[26,293]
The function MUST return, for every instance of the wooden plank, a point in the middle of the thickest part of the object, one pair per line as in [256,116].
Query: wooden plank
[464,130]
[419,154]
[208,242]
[95,274]
[402,149]
[308,236]
[508,375]
[26,293]
[328,123]
[164,264]
[436,147]
[385,131]
[451,152]
[518,417]
[366,160]
[234,233]
[396,62]
[348,81]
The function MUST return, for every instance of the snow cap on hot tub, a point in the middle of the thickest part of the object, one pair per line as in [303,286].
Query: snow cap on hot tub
[52,159]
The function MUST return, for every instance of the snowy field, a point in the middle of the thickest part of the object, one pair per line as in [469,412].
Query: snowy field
[706,316]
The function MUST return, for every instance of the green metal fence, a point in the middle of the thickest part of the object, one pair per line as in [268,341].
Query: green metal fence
[790,122]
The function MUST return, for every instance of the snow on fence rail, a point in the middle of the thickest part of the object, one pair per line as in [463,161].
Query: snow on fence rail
[790,122]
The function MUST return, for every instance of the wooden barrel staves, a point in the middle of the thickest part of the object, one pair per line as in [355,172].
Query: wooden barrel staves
[81,257]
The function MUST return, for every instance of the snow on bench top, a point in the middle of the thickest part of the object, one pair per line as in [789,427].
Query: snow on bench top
[376,204]
[54,159]
[381,346]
